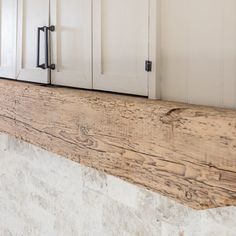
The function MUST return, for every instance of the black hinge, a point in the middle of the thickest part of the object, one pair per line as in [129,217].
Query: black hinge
[148,66]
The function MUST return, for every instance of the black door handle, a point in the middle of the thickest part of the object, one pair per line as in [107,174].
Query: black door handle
[46,31]
[42,66]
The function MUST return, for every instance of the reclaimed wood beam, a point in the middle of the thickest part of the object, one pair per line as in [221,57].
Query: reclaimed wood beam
[187,153]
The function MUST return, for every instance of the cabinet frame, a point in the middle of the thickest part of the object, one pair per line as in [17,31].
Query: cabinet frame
[154,77]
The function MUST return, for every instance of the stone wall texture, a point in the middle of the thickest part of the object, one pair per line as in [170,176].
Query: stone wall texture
[42,194]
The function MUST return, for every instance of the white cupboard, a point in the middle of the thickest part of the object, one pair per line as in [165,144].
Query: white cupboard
[120,43]
[72,43]
[32,14]
[102,44]
[8,21]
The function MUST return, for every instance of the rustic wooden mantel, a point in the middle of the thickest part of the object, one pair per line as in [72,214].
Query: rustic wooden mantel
[187,153]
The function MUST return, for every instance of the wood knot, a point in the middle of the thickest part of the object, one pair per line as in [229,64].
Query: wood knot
[188,195]
[83,130]
[172,115]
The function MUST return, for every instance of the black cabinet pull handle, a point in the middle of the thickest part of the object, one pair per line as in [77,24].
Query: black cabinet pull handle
[46,65]
[42,66]
[48,29]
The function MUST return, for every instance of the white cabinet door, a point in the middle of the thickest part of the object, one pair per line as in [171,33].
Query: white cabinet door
[120,42]
[31,15]
[72,42]
[8,15]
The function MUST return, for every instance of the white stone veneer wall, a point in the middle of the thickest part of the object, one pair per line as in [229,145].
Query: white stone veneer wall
[44,194]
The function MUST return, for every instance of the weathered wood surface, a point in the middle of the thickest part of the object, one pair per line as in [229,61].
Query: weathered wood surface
[187,153]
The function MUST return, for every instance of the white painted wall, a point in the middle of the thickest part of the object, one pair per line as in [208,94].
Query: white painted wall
[42,194]
[198,51]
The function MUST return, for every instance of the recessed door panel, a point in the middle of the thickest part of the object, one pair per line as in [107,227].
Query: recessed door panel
[120,43]
[72,42]
[8,15]
[31,15]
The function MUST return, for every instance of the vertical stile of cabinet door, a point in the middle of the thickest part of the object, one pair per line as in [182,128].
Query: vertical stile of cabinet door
[8,15]
[31,15]
[120,43]
[72,43]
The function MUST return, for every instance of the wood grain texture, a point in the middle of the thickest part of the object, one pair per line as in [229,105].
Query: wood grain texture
[187,153]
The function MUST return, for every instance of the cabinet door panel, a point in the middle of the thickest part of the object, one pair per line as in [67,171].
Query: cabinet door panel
[72,42]
[120,42]
[8,14]
[31,15]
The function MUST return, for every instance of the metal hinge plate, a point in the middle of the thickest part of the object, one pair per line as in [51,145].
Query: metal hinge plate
[148,66]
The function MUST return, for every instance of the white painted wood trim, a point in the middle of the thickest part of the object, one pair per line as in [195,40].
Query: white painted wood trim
[10,71]
[154,80]
[19,36]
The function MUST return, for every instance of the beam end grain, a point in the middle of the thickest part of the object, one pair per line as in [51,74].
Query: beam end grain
[187,153]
